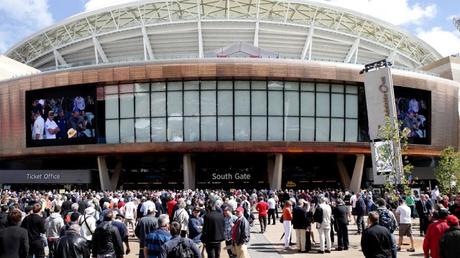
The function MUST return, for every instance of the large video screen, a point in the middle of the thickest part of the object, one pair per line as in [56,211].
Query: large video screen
[60,116]
[414,112]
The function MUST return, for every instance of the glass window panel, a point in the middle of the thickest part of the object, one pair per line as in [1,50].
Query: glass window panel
[337,127]
[275,128]
[208,128]
[175,129]
[259,128]
[126,130]
[322,129]
[191,103]
[191,85]
[275,85]
[142,130]
[352,89]
[158,129]
[242,85]
[208,103]
[113,89]
[111,106]
[172,86]
[259,102]
[337,105]
[291,86]
[307,86]
[351,106]
[126,88]
[225,129]
[351,130]
[142,104]
[242,103]
[225,85]
[126,105]
[158,104]
[158,86]
[292,128]
[112,131]
[208,85]
[322,87]
[307,103]
[141,87]
[322,104]
[291,105]
[307,129]
[191,129]
[225,102]
[337,88]
[242,126]
[275,103]
[259,85]
[174,103]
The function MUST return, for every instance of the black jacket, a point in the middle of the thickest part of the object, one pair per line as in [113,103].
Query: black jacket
[107,240]
[299,218]
[14,242]
[419,207]
[340,213]
[243,231]
[72,245]
[376,242]
[168,247]
[3,220]
[213,227]
[35,225]
[449,246]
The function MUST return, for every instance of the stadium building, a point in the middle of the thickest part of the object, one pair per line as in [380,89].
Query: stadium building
[219,94]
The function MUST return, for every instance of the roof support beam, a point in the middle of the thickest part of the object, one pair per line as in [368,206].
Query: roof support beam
[200,34]
[308,43]
[58,59]
[148,52]
[256,31]
[98,51]
[353,51]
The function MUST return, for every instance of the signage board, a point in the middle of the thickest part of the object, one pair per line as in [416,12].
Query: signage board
[45,176]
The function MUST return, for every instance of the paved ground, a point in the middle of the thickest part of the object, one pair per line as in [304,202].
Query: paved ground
[269,245]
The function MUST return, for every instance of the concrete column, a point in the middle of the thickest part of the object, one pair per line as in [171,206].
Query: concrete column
[357,177]
[343,173]
[276,175]
[189,172]
[104,177]
[116,175]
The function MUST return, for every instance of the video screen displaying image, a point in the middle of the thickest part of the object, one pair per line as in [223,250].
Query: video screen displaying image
[414,109]
[59,116]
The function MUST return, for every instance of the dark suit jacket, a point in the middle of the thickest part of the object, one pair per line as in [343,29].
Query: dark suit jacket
[213,227]
[340,213]
[419,207]
[14,242]
[376,242]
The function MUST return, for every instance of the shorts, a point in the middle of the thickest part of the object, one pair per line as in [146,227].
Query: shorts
[405,230]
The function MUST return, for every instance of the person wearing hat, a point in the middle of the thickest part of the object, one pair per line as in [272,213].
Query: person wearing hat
[77,122]
[87,224]
[299,223]
[122,229]
[434,234]
[340,213]
[240,234]
[145,226]
[229,219]
[51,128]
[61,122]
[106,239]
[449,246]
[195,226]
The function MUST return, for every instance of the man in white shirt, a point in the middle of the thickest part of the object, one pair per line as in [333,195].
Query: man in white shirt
[271,209]
[147,205]
[51,128]
[324,229]
[405,224]
[129,211]
[39,126]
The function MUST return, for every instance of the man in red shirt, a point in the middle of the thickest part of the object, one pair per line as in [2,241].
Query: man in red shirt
[262,208]
[434,233]
[170,206]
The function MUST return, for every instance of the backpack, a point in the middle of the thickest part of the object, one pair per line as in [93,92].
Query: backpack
[386,220]
[181,250]
[318,215]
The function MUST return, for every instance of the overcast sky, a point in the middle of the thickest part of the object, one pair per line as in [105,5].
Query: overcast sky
[427,19]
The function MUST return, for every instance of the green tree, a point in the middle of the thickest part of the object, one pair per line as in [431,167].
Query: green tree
[448,170]
[390,131]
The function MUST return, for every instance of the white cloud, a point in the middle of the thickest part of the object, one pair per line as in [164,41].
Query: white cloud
[20,18]
[98,4]
[397,12]
[446,42]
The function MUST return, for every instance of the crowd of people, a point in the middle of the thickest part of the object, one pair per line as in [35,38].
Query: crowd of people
[194,223]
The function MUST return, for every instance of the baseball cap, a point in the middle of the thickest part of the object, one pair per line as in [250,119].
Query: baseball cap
[452,220]
[239,209]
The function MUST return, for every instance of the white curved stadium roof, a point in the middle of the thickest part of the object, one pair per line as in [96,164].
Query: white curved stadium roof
[170,29]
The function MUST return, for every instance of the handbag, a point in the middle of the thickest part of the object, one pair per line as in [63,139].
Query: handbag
[281,219]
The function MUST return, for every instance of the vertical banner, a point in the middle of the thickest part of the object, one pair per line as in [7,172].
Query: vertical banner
[380,102]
